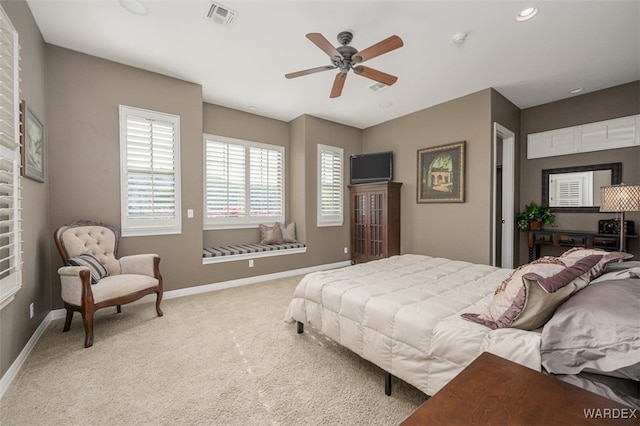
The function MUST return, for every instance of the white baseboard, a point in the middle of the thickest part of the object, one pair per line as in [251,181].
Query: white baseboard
[12,372]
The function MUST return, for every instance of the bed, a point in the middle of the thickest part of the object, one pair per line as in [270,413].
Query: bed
[424,319]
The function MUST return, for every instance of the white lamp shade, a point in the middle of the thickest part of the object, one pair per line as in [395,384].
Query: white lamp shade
[620,198]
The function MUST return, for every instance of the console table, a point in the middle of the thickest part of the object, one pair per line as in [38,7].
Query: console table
[496,391]
[562,238]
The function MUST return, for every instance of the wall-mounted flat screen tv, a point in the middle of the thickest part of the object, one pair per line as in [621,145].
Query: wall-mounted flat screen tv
[374,167]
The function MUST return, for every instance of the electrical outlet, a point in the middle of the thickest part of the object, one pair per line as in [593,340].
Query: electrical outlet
[250,263]
[31,310]
[189,213]
[346,250]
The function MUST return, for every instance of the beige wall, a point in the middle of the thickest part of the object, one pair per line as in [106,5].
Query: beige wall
[619,101]
[324,244]
[15,325]
[84,94]
[453,230]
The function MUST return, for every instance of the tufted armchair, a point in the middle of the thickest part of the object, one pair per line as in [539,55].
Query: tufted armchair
[94,278]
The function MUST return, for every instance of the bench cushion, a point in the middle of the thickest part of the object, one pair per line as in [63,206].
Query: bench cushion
[230,250]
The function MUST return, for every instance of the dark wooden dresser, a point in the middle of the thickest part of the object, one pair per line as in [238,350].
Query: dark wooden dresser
[496,391]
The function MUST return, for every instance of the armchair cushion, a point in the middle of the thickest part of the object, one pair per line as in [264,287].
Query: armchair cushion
[97,269]
[107,288]
[121,285]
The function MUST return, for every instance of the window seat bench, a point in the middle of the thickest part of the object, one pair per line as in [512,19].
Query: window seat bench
[235,252]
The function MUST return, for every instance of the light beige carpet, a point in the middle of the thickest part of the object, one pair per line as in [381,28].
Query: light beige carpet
[220,358]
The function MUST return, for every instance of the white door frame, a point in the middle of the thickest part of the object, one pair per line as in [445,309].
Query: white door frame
[508,195]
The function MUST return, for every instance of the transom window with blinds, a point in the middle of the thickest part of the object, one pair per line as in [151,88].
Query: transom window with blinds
[244,183]
[10,212]
[330,185]
[150,172]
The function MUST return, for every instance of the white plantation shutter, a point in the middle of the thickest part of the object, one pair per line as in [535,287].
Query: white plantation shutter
[150,182]
[330,185]
[244,183]
[10,213]
[571,190]
[266,183]
[569,194]
[225,192]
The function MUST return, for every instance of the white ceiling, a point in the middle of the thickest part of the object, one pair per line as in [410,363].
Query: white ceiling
[590,44]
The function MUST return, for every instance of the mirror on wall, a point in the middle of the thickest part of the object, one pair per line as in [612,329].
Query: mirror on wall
[577,189]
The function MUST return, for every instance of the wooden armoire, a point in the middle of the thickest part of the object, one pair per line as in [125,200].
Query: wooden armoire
[375,220]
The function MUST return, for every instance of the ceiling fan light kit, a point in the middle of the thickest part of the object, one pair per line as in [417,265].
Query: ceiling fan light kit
[347,58]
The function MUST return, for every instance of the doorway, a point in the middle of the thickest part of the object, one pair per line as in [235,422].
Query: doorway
[503,178]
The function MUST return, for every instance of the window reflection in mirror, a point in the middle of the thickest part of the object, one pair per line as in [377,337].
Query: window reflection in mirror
[577,189]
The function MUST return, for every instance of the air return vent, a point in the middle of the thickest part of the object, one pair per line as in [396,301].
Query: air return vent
[378,86]
[221,14]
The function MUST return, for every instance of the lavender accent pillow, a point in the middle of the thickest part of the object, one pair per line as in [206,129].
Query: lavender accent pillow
[556,282]
[575,254]
[511,295]
[529,297]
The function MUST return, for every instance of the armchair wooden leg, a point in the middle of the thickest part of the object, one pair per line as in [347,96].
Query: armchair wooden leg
[158,300]
[119,309]
[87,319]
[88,331]
[67,320]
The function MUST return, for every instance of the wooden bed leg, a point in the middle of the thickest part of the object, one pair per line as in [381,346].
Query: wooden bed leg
[387,383]
[300,329]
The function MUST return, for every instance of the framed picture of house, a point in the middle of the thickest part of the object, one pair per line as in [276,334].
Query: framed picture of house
[441,174]
[32,144]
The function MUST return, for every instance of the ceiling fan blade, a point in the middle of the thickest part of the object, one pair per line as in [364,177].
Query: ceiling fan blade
[338,84]
[386,45]
[376,75]
[319,40]
[309,71]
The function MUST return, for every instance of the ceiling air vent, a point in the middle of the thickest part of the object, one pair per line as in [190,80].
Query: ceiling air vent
[221,14]
[378,86]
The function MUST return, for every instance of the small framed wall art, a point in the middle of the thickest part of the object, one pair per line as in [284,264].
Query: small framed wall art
[441,174]
[32,144]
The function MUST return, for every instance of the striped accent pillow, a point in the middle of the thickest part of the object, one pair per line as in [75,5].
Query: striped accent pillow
[97,269]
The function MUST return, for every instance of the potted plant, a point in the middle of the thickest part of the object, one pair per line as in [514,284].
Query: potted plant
[534,216]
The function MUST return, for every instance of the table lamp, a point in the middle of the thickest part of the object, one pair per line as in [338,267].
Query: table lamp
[620,198]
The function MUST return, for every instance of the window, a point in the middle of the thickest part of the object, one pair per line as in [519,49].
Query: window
[330,187]
[150,172]
[244,183]
[10,234]
[571,190]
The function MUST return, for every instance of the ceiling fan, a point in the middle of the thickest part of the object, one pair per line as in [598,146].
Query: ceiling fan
[347,58]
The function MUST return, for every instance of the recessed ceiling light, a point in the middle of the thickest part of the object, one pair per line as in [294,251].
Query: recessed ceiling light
[134,6]
[576,90]
[386,104]
[459,38]
[526,14]
[253,107]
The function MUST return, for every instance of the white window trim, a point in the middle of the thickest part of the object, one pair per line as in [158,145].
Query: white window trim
[247,221]
[332,220]
[10,149]
[145,227]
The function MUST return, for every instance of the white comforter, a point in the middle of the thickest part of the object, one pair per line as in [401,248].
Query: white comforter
[403,314]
